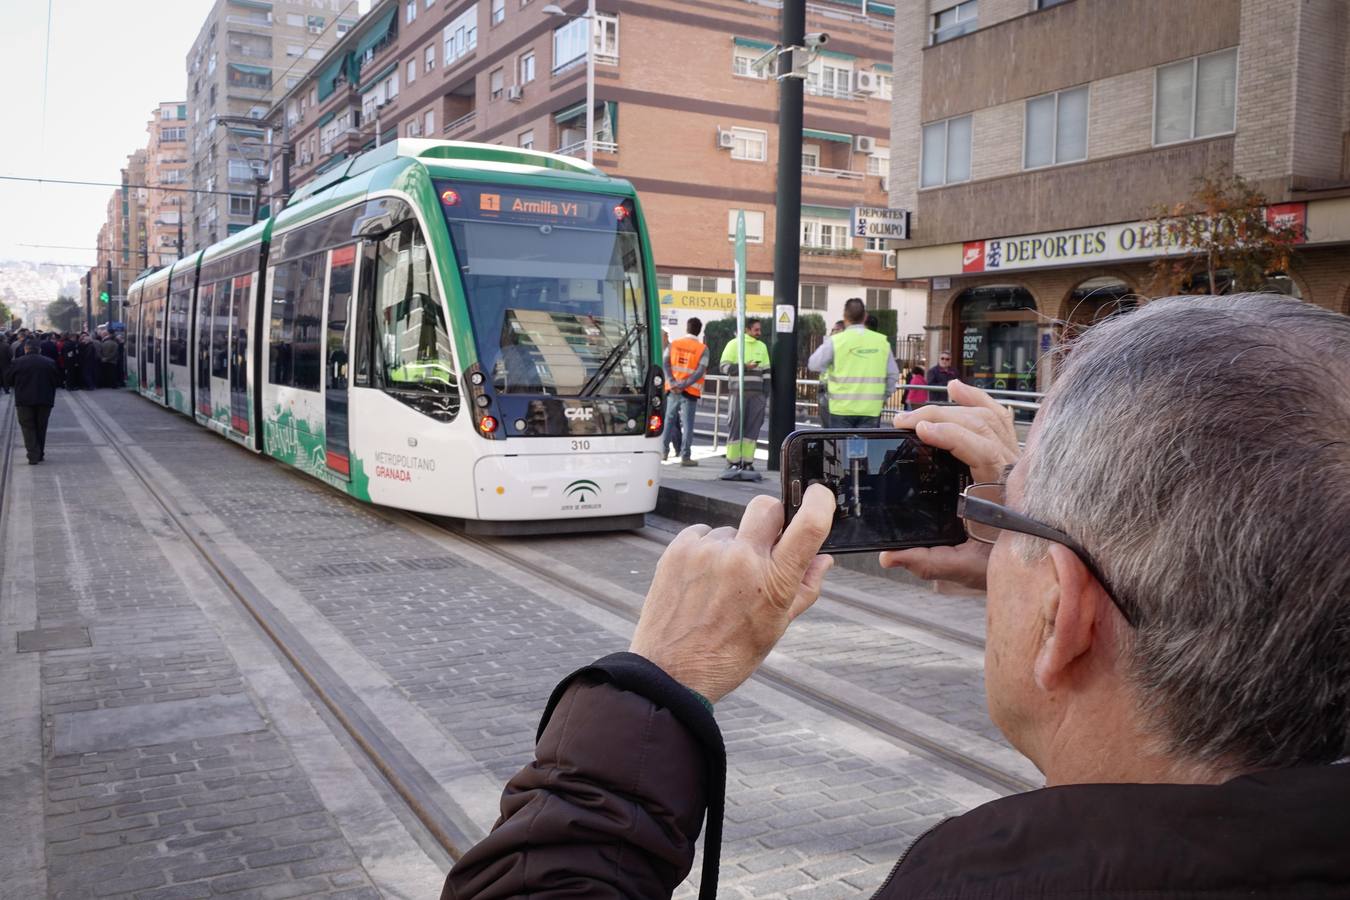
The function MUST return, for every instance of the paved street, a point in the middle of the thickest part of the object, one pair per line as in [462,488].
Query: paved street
[170,749]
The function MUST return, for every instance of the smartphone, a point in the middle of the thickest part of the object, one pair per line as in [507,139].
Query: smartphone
[891,490]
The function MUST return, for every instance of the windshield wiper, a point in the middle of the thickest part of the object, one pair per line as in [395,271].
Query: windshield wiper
[611,360]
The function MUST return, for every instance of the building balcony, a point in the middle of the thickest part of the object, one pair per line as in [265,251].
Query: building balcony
[832,93]
[460,125]
[823,172]
[578,148]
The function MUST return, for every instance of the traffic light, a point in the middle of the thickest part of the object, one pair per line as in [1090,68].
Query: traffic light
[102,296]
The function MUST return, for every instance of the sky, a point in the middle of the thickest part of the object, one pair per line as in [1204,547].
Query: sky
[112,62]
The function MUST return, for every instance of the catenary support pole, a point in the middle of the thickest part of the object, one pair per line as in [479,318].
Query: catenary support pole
[88,301]
[787,234]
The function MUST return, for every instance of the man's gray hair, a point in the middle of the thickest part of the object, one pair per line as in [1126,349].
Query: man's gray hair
[1199,448]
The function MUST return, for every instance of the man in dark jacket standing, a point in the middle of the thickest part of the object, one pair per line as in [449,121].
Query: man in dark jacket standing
[35,379]
[1168,637]
[88,362]
[6,357]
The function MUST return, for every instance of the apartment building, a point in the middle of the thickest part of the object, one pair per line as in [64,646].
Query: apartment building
[1035,139]
[122,239]
[680,111]
[247,53]
[166,164]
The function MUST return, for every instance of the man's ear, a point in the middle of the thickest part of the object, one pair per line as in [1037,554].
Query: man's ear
[1071,611]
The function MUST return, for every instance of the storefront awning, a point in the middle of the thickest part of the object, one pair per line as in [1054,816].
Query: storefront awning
[752,44]
[251,70]
[827,136]
[826,212]
[378,30]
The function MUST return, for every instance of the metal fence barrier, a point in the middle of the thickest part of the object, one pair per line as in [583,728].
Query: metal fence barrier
[722,388]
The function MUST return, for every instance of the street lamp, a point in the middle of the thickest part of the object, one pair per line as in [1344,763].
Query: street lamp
[554,9]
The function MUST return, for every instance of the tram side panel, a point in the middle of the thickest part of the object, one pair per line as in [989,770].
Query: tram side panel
[132,336]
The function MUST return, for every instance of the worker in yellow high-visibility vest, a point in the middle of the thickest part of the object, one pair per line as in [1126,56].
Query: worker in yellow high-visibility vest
[741,444]
[861,370]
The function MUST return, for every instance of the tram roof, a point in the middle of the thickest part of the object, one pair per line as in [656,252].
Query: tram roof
[459,156]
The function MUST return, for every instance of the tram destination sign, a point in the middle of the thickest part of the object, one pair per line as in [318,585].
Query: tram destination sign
[880,222]
[503,203]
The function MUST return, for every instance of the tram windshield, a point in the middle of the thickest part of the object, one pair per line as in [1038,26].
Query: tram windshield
[554,287]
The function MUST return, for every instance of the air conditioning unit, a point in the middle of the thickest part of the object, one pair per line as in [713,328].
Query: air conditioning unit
[515,93]
[865,82]
[725,140]
[888,259]
[864,144]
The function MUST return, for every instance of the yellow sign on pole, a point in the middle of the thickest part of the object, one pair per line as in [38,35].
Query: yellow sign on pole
[710,301]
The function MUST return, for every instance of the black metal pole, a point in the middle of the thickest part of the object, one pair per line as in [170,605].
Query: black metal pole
[111,295]
[89,301]
[180,233]
[787,235]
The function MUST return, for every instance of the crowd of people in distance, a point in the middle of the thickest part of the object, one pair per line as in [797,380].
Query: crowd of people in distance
[86,361]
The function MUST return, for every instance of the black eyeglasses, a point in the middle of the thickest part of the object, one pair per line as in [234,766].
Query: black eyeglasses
[983,508]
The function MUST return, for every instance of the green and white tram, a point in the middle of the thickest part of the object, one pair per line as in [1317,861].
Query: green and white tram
[458,329]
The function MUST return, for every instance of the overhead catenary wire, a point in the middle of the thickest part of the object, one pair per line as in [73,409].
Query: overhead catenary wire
[111,184]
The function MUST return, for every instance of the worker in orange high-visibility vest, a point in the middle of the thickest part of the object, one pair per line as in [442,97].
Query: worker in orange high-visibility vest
[686,361]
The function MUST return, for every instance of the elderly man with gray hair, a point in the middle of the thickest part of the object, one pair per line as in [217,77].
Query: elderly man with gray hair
[1168,575]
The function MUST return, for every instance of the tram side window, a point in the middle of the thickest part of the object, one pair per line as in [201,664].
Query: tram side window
[306,359]
[412,344]
[178,327]
[283,323]
[131,333]
[220,329]
[205,315]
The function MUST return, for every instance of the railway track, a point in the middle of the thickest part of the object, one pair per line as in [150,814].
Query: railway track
[403,775]
[852,599]
[970,766]
[7,454]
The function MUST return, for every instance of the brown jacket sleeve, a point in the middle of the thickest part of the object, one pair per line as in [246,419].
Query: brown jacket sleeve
[626,763]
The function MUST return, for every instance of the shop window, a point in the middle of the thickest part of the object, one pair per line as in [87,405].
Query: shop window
[665,283]
[1195,98]
[996,327]
[814,296]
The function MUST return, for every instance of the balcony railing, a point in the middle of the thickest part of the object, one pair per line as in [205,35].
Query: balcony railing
[834,93]
[578,148]
[845,174]
[462,122]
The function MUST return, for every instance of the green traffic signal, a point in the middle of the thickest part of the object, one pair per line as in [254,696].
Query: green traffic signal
[103,297]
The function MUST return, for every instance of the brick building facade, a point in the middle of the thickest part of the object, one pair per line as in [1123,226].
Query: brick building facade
[166,164]
[1039,136]
[680,112]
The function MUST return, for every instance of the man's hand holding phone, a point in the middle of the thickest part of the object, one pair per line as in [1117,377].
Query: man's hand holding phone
[978,431]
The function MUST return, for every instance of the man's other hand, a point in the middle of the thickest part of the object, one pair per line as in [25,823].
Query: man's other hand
[722,597]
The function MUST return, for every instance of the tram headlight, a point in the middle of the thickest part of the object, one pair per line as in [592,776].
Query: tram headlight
[487,424]
[477,378]
[483,401]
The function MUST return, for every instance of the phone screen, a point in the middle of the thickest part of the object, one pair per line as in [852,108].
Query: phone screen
[891,490]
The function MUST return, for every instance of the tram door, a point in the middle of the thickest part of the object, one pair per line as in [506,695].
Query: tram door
[341,278]
[141,341]
[161,377]
[238,319]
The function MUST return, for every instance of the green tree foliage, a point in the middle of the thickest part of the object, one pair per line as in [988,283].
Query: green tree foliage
[1231,243]
[888,320]
[718,332]
[64,314]
[6,316]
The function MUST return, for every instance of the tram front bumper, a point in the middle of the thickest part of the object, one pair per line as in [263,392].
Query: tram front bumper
[565,486]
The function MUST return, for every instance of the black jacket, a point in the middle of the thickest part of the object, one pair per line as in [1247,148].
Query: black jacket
[35,379]
[6,356]
[612,804]
[49,349]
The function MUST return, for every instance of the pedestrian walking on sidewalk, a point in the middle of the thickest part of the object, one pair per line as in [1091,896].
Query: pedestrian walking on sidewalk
[741,444]
[6,357]
[35,379]
[862,373]
[686,361]
[108,350]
